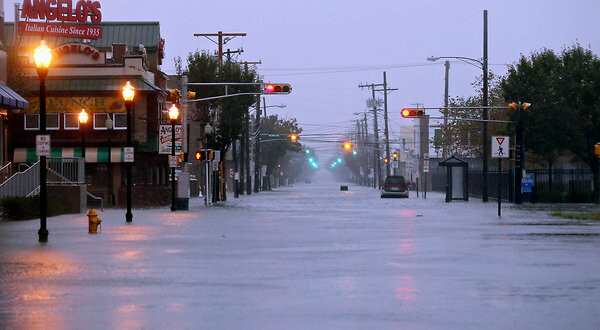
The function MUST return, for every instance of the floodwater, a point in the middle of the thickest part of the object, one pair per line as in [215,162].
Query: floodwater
[307,256]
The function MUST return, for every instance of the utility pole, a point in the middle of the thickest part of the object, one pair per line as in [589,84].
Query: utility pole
[385,118]
[447,65]
[257,167]
[484,186]
[376,166]
[234,143]
[366,139]
[243,142]
[385,91]
[247,151]
[220,40]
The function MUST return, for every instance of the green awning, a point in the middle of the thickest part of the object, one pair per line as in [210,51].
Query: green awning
[92,155]
[78,83]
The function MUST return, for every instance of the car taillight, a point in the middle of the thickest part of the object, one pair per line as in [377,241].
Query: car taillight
[402,186]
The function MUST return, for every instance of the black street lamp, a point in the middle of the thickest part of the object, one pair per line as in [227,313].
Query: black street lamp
[173,115]
[128,95]
[42,56]
[83,118]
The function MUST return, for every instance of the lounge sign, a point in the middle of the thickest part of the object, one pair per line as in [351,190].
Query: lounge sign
[75,104]
[61,18]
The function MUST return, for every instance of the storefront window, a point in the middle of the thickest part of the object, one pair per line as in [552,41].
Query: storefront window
[100,120]
[32,122]
[52,121]
[120,121]
[71,121]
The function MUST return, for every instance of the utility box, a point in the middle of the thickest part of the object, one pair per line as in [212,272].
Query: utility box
[183,191]
[457,179]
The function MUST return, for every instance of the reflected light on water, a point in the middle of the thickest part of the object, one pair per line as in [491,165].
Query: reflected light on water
[405,288]
[129,255]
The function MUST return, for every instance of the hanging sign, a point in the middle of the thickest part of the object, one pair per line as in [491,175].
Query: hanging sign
[61,18]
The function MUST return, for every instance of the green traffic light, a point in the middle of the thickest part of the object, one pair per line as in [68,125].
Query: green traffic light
[354,152]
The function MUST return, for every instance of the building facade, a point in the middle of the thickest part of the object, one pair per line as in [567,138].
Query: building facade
[89,75]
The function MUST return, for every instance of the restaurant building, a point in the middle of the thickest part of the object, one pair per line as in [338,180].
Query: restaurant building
[90,74]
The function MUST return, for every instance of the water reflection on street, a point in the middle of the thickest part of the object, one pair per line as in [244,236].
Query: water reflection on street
[307,256]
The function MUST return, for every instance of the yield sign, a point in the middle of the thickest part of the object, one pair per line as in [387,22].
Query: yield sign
[499,149]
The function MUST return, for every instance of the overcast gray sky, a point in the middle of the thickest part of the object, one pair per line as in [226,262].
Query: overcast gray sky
[325,49]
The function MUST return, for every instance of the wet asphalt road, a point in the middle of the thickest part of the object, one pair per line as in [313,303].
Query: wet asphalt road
[305,257]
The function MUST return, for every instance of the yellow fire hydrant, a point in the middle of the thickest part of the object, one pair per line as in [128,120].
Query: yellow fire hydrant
[93,221]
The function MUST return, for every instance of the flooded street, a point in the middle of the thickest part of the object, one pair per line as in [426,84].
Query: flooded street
[307,256]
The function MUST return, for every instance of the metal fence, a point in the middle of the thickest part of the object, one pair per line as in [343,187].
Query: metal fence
[21,184]
[66,171]
[556,186]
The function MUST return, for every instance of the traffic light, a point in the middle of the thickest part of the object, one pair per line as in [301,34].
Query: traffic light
[412,113]
[174,95]
[395,155]
[293,137]
[386,160]
[347,145]
[597,149]
[201,155]
[277,89]
[191,95]
[515,105]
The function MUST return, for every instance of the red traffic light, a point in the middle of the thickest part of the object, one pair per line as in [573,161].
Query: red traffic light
[294,137]
[411,113]
[395,155]
[277,89]
[347,145]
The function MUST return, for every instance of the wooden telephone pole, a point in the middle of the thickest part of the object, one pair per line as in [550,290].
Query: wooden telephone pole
[220,40]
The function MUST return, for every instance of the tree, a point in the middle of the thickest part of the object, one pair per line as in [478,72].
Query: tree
[463,137]
[225,114]
[564,91]
[533,80]
[272,151]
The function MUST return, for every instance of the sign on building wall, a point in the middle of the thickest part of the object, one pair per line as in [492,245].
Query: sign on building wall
[164,139]
[61,18]
[75,104]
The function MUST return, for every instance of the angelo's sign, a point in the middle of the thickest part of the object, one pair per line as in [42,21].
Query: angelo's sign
[62,11]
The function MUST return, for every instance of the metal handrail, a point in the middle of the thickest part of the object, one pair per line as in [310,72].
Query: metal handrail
[21,184]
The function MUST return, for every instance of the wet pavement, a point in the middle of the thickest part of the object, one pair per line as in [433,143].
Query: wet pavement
[307,256]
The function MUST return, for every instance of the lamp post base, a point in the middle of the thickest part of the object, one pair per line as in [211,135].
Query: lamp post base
[43,235]
[173,208]
[128,217]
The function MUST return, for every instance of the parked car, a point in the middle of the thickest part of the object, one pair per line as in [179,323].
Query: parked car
[394,186]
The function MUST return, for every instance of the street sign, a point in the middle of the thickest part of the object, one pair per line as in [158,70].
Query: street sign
[263,170]
[128,155]
[172,161]
[395,164]
[527,183]
[42,145]
[231,174]
[500,145]
[237,175]
[426,165]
